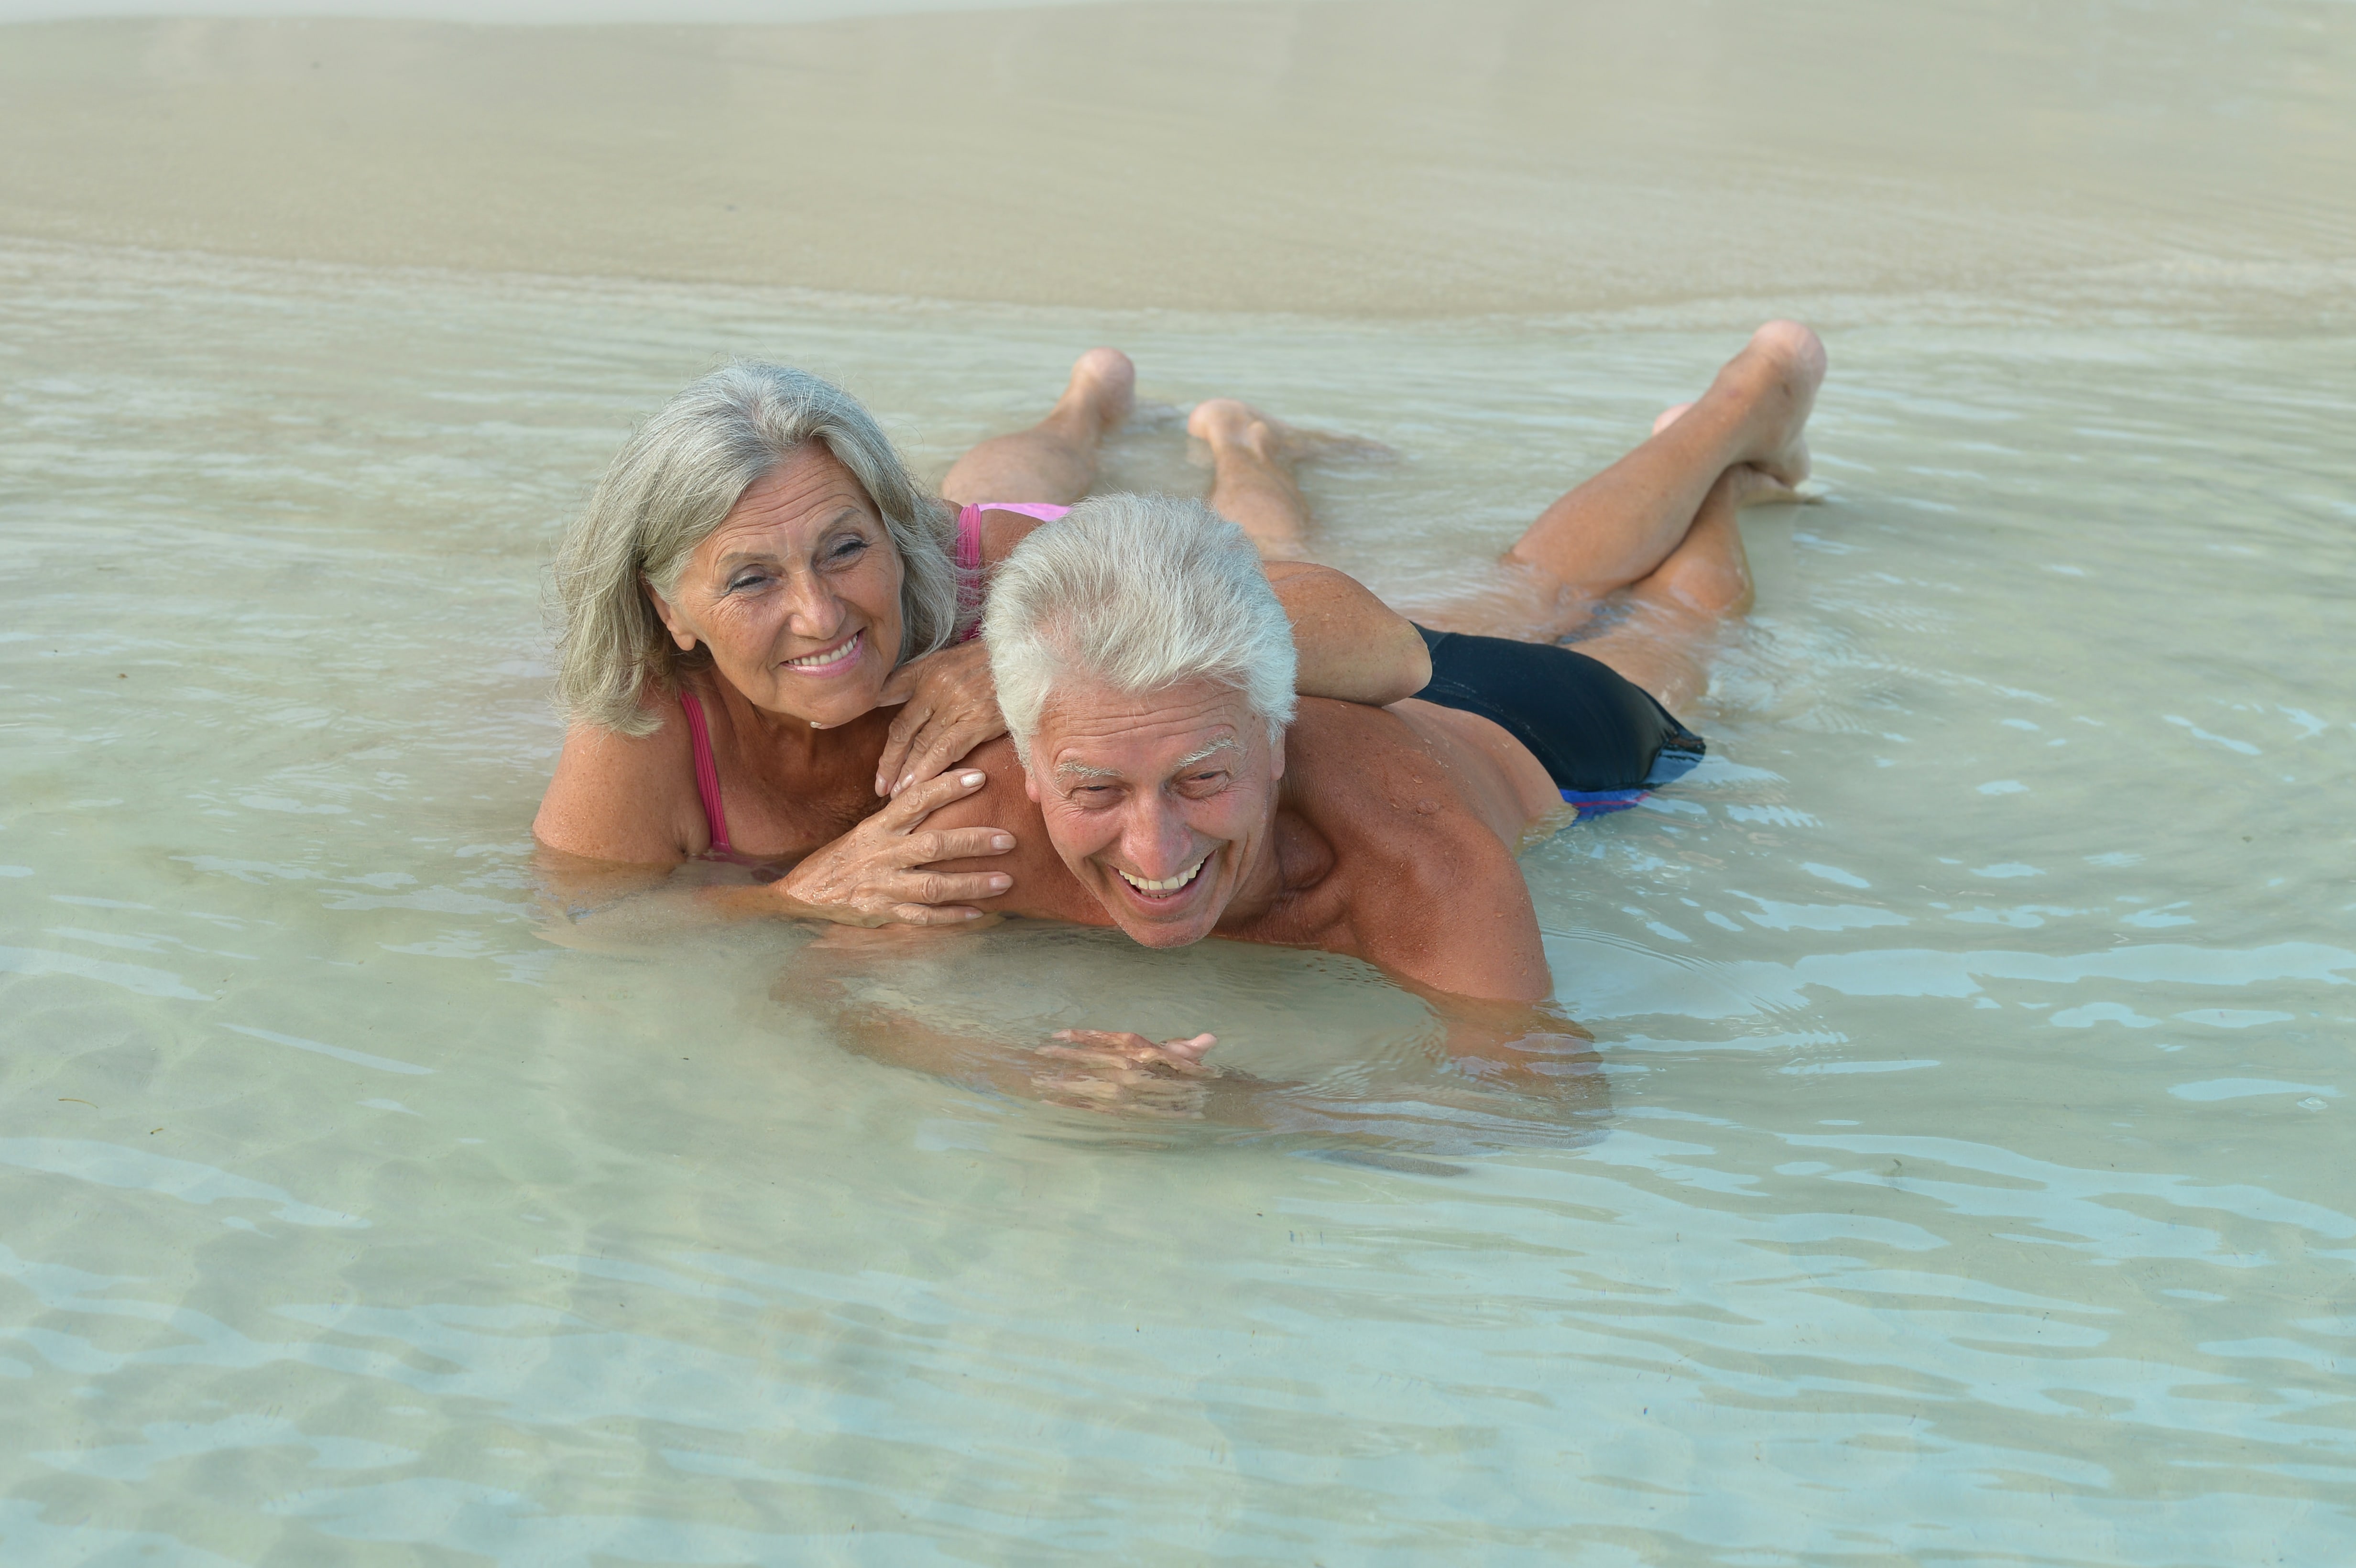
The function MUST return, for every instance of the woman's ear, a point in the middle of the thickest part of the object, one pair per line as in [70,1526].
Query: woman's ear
[679,633]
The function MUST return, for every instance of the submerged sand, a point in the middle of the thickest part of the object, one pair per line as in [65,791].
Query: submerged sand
[1364,158]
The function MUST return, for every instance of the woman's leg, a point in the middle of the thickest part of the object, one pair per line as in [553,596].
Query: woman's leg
[1055,460]
[1252,457]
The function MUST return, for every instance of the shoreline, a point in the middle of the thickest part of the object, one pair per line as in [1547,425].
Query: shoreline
[2192,295]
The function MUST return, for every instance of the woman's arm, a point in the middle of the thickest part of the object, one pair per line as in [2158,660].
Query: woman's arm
[1352,646]
[625,799]
[622,813]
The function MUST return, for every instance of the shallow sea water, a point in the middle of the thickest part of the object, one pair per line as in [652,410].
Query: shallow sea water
[1967,1182]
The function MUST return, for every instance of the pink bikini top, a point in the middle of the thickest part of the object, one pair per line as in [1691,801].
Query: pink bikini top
[699,735]
[968,549]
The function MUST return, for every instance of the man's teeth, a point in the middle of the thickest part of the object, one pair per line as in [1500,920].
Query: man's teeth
[1167,884]
[831,656]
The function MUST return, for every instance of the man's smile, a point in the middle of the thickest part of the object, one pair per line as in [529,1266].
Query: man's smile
[1167,886]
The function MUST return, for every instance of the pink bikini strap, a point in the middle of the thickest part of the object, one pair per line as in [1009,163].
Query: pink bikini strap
[707,774]
[969,539]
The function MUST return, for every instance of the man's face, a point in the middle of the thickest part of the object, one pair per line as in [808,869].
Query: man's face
[1161,805]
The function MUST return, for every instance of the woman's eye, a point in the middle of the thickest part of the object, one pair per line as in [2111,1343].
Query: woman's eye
[749,580]
[846,549]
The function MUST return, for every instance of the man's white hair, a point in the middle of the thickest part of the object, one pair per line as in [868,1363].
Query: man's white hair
[1139,593]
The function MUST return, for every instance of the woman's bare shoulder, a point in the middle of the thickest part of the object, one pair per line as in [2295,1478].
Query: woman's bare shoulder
[629,799]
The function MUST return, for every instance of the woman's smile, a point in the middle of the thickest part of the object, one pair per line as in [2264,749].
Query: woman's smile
[843,655]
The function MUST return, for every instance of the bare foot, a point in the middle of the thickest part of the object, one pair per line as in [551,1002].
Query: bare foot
[1104,384]
[1784,365]
[1776,375]
[1754,486]
[1229,422]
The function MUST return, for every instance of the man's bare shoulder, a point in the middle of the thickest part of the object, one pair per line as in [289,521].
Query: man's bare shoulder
[1043,884]
[1419,882]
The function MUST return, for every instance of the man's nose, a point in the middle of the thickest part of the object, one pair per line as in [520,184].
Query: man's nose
[1154,839]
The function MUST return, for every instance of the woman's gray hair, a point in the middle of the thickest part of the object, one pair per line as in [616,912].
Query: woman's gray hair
[673,483]
[1139,592]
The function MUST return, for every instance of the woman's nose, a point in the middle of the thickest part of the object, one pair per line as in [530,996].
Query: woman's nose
[813,608]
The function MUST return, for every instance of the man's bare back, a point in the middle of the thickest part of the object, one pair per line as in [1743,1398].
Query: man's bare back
[1394,842]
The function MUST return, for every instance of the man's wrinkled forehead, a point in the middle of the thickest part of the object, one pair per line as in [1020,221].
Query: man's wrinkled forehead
[1092,732]
[1071,767]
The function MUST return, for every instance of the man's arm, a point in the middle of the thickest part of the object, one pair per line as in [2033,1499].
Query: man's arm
[1442,904]
[1420,883]
[1533,1048]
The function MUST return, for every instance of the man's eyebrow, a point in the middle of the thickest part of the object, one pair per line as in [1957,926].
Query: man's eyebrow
[1227,743]
[1085,770]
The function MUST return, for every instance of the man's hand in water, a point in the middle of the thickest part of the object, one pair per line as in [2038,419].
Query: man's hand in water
[948,704]
[1107,1069]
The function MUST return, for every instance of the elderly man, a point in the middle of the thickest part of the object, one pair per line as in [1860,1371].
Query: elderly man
[1160,776]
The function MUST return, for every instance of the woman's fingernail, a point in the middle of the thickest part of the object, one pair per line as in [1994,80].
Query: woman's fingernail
[1002,840]
[905,779]
[1000,884]
[969,780]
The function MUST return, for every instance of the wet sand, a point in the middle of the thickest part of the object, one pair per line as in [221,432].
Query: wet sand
[1340,158]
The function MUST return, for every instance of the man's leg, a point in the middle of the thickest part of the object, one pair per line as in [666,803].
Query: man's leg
[1252,458]
[1055,460]
[1625,523]
[1674,609]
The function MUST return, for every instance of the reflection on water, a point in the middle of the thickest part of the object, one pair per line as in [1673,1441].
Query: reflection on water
[1968,1183]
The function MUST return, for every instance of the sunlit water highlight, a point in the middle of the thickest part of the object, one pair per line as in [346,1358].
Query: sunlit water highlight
[1969,1183]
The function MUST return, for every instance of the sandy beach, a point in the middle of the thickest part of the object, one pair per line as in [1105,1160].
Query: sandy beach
[1381,158]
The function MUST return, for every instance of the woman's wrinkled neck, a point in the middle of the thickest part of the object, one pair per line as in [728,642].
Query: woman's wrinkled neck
[785,736]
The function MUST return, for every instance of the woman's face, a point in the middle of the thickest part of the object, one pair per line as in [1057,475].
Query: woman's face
[797,593]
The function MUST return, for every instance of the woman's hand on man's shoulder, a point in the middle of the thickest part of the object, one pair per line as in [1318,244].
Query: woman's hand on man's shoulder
[948,704]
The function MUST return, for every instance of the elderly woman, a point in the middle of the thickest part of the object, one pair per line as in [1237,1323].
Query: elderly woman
[758,582]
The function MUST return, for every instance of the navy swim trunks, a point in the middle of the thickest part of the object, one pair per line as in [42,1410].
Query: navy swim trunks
[1602,738]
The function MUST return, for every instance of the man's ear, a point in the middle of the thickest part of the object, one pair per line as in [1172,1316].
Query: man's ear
[1031,785]
[678,633]
[1276,756]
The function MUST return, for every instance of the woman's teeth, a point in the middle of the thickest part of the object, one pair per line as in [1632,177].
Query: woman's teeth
[831,657]
[1167,884]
